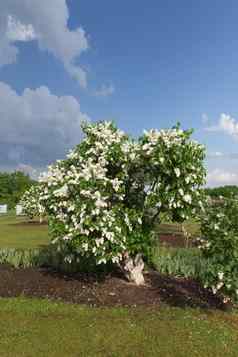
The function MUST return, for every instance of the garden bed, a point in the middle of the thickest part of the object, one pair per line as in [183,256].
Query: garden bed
[105,290]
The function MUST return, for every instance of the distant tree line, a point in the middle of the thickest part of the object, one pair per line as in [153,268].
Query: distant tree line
[12,187]
[229,191]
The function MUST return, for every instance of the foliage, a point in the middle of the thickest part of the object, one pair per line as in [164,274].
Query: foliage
[104,198]
[12,186]
[30,202]
[20,258]
[219,229]
[50,258]
[180,262]
[228,191]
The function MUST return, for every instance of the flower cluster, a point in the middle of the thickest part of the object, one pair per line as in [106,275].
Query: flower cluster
[219,243]
[99,199]
[176,167]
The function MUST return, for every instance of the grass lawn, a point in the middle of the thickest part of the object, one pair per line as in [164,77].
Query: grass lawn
[43,328]
[31,327]
[15,235]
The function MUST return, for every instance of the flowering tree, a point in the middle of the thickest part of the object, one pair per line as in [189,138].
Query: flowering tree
[104,198]
[30,203]
[219,243]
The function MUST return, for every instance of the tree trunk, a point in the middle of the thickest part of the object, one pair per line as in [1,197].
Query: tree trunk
[133,269]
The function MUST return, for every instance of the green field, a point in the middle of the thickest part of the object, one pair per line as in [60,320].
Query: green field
[42,328]
[14,233]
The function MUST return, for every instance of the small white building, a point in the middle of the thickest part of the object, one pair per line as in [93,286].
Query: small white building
[3,209]
[19,210]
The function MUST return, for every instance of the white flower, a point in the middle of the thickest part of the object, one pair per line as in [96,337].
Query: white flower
[214,290]
[103,260]
[187,179]
[132,156]
[61,192]
[177,171]
[187,198]
[99,241]
[181,191]
[116,184]
[219,285]
[146,146]
[85,246]
[220,275]
[115,259]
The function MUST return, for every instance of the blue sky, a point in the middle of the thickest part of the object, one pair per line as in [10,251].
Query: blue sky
[142,64]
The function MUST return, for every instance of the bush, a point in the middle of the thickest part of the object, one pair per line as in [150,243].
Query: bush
[30,202]
[103,200]
[219,229]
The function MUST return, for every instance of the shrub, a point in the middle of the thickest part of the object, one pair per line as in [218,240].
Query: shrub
[103,199]
[219,229]
[30,202]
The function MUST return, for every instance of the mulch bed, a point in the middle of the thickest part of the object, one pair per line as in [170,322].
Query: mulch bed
[105,290]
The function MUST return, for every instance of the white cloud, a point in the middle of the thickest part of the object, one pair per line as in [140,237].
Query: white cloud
[44,21]
[219,177]
[16,31]
[215,154]
[205,118]
[226,124]
[105,91]
[37,127]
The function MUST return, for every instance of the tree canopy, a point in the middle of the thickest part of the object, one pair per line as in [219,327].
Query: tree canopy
[102,200]
[12,186]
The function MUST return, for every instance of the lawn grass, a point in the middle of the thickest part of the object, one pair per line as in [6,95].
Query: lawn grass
[14,235]
[32,327]
[43,328]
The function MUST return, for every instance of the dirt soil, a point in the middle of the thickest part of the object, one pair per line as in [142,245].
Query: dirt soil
[105,290]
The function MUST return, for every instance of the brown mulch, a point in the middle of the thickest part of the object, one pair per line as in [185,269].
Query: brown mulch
[105,290]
